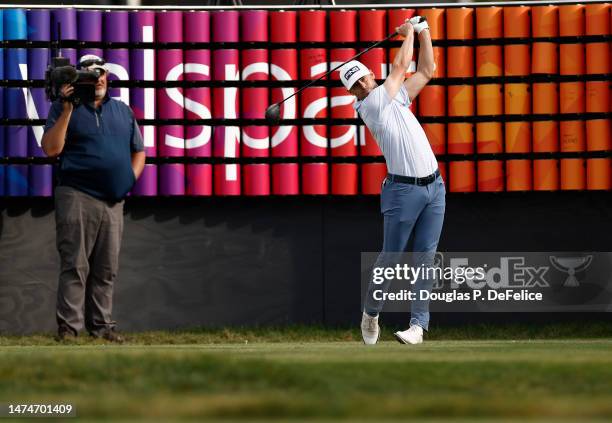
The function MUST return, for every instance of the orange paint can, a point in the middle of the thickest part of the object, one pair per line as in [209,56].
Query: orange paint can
[517,22]
[545,98]
[546,175]
[460,62]
[489,61]
[459,23]
[518,175]
[517,59]
[462,176]
[460,100]
[490,176]
[571,135]
[571,59]
[598,135]
[597,97]
[599,174]
[573,174]
[571,20]
[518,137]
[489,137]
[489,99]
[597,58]
[460,138]
[544,21]
[489,22]
[517,99]
[571,97]
[598,19]
[432,101]
[545,136]
[544,58]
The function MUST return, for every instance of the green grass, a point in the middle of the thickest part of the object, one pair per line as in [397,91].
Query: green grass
[590,330]
[313,373]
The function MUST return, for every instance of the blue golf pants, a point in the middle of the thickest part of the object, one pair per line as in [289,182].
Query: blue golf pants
[410,210]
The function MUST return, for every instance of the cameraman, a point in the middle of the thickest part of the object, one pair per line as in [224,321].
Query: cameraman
[101,155]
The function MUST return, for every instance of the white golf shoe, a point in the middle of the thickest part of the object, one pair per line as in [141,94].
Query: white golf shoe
[413,335]
[369,329]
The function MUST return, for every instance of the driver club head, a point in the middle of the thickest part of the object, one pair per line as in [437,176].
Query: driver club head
[273,113]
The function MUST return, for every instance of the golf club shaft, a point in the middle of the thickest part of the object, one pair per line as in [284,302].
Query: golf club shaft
[340,65]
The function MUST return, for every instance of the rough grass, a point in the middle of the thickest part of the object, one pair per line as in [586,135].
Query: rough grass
[519,372]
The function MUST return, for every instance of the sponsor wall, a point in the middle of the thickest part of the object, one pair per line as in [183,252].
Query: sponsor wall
[520,99]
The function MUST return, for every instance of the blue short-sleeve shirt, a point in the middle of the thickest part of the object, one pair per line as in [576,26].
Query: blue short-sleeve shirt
[97,156]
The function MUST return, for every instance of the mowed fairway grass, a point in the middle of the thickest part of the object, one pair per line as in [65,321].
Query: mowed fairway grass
[320,375]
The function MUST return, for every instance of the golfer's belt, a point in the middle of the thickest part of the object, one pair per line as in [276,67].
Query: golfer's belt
[425,180]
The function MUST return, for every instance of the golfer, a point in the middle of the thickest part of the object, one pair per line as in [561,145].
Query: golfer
[413,193]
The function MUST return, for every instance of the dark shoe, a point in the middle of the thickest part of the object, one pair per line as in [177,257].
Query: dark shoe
[110,335]
[65,334]
[113,336]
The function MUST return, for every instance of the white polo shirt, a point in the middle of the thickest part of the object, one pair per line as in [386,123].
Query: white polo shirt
[399,135]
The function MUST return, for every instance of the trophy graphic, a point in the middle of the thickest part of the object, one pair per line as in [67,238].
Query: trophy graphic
[571,265]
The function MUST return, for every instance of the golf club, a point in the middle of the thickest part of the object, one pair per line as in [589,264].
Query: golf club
[273,111]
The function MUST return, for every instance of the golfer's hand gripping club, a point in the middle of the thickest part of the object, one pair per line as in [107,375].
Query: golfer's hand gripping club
[419,23]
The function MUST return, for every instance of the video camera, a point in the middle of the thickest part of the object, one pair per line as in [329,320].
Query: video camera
[61,72]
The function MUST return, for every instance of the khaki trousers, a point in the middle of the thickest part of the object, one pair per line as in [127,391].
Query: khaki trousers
[88,232]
